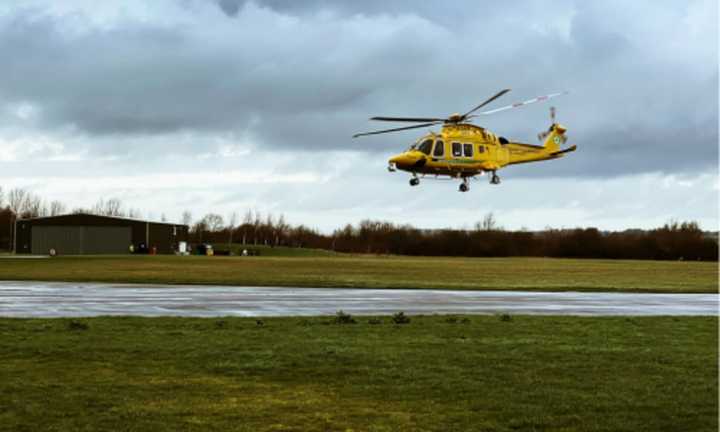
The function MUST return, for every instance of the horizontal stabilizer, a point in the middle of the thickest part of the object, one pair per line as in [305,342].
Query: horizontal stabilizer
[567,150]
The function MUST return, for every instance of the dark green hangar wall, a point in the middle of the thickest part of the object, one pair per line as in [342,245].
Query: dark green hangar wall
[79,234]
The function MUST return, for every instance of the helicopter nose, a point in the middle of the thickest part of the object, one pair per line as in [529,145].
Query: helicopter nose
[403,160]
[397,159]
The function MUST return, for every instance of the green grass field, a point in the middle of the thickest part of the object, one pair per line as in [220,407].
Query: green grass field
[364,271]
[290,374]
[279,251]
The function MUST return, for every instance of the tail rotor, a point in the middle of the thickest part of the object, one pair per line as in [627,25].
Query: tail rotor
[544,134]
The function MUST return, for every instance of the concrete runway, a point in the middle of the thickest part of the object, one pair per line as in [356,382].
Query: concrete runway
[59,299]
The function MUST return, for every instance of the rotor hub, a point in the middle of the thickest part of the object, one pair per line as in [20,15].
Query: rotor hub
[455,118]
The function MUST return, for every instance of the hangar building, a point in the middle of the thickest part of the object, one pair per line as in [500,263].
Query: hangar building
[78,234]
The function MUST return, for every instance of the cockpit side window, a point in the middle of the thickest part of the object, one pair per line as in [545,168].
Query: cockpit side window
[456,149]
[439,150]
[426,146]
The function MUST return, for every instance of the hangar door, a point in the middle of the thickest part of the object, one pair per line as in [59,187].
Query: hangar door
[76,240]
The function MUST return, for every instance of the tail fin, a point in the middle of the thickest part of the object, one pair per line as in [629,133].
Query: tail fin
[555,137]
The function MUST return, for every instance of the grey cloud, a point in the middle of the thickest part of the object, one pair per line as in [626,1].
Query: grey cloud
[446,12]
[230,7]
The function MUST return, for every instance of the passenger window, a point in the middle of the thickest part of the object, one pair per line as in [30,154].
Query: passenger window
[439,150]
[481,149]
[457,149]
[426,146]
[468,150]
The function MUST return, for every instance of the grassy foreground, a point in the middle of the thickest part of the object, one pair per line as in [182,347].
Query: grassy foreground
[436,373]
[376,272]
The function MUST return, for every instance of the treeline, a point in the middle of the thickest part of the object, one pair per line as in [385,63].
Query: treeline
[673,241]
[253,229]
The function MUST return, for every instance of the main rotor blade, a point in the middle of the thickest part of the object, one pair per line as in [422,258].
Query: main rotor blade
[502,92]
[527,102]
[408,119]
[395,129]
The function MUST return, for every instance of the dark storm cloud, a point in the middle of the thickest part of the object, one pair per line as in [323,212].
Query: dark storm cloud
[230,7]
[448,13]
[306,75]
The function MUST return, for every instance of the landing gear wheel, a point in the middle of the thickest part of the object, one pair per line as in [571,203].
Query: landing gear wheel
[414,181]
[464,186]
[494,179]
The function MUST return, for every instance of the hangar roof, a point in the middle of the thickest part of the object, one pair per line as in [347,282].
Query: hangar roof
[88,218]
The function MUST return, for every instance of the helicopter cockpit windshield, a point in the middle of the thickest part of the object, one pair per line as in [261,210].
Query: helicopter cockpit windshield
[422,145]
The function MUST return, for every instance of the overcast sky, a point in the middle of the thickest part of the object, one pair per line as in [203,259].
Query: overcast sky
[223,105]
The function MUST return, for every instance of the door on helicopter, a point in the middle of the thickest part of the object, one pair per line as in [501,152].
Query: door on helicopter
[438,152]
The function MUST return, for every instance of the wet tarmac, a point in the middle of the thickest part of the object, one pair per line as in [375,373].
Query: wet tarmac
[58,299]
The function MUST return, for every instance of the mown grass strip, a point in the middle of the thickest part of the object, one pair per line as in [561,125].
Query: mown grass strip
[434,373]
[360,271]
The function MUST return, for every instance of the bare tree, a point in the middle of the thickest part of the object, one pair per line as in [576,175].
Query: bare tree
[32,207]
[16,200]
[213,222]
[114,207]
[57,208]
[257,222]
[488,223]
[162,217]
[16,203]
[111,207]
[99,207]
[281,228]
[2,197]
[186,218]
[26,204]
[231,226]
[247,222]
[44,209]
[199,228]
[269,228]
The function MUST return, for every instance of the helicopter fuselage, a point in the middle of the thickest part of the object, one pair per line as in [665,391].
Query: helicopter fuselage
[466,150]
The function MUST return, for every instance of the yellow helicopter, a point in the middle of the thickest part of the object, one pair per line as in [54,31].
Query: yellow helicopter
[463,150]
